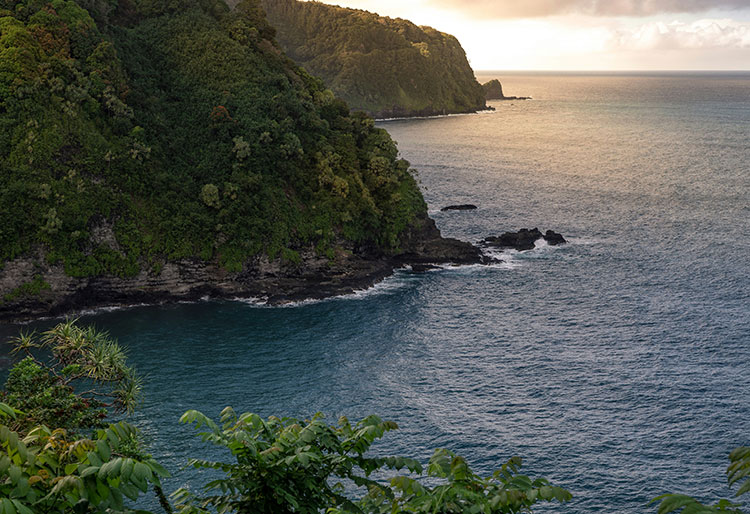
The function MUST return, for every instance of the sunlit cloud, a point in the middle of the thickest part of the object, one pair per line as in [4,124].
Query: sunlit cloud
[536,8]
[705,33]
[484,9]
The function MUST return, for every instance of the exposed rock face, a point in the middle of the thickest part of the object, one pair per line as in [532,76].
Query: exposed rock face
[424,244]
[524,239]
[461,207]
[316,276]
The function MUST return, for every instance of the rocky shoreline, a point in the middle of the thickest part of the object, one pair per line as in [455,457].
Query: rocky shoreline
[315,277]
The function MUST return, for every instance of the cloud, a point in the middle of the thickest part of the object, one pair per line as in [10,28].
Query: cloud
[701,34]
[537,8]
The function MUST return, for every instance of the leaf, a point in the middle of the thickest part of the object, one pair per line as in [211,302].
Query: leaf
[103,450]
[743,489]
[674,502]
[21,508]
[127,468]
[22,489]
[14,473]
[142,472]
[158,468]
[7,506]
[112,438]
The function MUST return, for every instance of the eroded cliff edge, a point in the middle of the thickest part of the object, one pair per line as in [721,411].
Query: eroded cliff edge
[350,268]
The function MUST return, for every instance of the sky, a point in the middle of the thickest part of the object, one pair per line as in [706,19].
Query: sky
[586,34]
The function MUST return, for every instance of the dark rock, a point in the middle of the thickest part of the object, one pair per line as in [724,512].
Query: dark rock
[522,240]
[553,238]
[423,244]
[493,90]
[461,207]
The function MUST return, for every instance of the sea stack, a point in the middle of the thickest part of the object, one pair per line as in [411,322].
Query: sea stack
[493,90]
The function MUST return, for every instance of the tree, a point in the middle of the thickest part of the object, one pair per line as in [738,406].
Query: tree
[81,358]
[462,491]
[285,465]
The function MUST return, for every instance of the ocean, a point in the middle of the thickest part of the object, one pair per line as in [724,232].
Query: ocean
[617,365]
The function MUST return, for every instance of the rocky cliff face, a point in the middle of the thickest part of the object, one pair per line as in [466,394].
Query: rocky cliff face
[385,67]
[351,268]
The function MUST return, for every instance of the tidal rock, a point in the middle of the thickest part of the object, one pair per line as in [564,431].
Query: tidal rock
[524,239]
[461,207]
[493,90]
[553,238]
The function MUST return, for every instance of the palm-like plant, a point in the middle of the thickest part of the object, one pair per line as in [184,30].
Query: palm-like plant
[87,372]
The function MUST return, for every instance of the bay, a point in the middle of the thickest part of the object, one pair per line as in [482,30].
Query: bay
[615,365]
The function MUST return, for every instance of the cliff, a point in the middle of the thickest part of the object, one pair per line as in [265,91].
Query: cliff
[385,67]
[160,150]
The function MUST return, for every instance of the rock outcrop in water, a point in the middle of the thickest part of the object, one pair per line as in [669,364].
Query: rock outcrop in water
[524,239]
[493,90]
[461,207]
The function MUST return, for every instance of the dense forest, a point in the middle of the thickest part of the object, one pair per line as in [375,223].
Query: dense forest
[385,67]
[141,132]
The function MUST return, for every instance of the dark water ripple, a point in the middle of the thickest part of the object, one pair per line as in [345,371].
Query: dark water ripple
[616,365]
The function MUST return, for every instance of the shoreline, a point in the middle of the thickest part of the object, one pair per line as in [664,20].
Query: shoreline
[190,280]
[488,110]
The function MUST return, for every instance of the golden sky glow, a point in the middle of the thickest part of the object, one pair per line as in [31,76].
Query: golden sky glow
[586,34]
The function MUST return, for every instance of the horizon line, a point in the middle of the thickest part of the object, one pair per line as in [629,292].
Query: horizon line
[550,70]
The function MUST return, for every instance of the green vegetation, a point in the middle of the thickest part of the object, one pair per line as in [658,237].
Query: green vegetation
[78,358]
[138,132]
[383,66]
[737,474]
[28,290]
[53,462]
[47,472]
[286,466]
[58,455]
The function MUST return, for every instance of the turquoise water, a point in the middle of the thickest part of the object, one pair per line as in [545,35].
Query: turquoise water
[616,365]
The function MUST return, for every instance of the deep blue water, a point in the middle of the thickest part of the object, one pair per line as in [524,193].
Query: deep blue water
[616,365]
